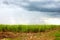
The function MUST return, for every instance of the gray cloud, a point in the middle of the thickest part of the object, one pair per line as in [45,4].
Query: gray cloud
[49,8]
[42,6]
[30,12]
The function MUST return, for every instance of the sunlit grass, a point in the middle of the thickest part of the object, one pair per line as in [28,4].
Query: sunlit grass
[27,28]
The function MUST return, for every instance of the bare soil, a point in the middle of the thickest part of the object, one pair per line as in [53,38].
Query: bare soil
[29,36]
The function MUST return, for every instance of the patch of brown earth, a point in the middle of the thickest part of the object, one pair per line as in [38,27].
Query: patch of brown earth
[29,36]
[36,36]
[8,35]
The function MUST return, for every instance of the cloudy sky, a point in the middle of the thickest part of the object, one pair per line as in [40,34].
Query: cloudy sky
[30,12]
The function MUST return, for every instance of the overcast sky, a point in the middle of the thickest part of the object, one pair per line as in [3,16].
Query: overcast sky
[29,11]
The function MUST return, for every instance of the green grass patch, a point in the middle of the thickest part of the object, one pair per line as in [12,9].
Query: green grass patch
[57,38]
[27,28]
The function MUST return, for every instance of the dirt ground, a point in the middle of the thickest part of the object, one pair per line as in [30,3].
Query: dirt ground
[29,36]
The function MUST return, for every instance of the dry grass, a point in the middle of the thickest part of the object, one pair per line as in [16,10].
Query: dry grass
[29,36]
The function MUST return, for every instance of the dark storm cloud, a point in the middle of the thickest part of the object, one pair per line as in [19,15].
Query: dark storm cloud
[39,6]
[50,8]
[44,6]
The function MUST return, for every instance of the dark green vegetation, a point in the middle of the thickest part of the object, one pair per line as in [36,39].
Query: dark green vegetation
[57,38]
[27,28]
[57,35]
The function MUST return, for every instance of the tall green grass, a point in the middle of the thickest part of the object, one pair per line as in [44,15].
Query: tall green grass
[27,28]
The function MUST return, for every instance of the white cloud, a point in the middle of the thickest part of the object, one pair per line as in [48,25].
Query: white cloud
[53,21]
[12,14]
[44,0]
[35,0]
